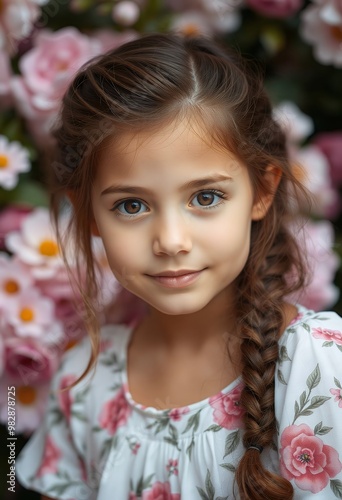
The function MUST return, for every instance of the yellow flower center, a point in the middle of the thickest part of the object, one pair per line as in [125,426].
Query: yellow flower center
[70,344]
[26,394]
[26,314]
[191,29]
[336,32]
[11,286]
[49,248]
[3,158]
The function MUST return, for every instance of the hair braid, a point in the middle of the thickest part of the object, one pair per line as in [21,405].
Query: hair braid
[260,307]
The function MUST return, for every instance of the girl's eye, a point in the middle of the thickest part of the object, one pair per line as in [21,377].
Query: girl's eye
[208,199]
[130,207]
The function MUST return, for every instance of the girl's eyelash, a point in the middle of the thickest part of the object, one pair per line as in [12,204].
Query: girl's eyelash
[220,194]
[120,214]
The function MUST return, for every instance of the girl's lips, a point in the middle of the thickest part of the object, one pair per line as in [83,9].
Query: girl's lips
[179,280]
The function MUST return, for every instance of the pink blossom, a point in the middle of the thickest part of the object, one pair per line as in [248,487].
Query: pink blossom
[338,396]
[33,315]
[177,413]
[36,244]
[275,8]
[47,69]
[16,21]
[30,362]
[305,459]
[330,143]
[316,240]
[14,278]
[64,397]
[322,27]
[206,23]
[227,409]
[172,467]
[315,175]
[114,413]
[11,219]
[5,80]
[30,404]
[160,491]
[51,457]
[327,334]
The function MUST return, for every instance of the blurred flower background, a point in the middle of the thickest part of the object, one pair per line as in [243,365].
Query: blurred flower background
[42,43]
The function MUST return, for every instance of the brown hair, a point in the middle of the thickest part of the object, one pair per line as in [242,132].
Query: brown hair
[158,78]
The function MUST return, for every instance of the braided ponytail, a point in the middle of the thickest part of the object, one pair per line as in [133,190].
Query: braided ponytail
[262,287]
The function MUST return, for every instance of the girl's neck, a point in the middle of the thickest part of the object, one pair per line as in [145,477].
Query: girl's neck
[191,332]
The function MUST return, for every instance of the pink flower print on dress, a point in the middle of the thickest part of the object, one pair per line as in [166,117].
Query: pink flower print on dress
[64,396]
[305,459]
[51,457]
[172,467]
[115,413]
[177,413]
[160,491]
[327,334]
[227,409]
[338,396]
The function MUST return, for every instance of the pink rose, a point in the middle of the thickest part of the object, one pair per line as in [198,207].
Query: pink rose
[29,361]
[51,457]
[177,413]
[338,396]
[275,8]
[327,334]
[115,413]
[227,409]
[160,491]
[306,459]
[46,71]
[64,396]
[330,143]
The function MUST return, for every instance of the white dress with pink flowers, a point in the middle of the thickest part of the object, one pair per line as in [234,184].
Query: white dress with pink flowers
[97,443]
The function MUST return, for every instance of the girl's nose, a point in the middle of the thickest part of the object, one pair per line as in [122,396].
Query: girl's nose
[172,236]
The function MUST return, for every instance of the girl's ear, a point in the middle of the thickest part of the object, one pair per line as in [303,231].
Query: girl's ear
[264,200]
[93,226]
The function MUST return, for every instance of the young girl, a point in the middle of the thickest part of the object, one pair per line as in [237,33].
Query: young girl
[169,152]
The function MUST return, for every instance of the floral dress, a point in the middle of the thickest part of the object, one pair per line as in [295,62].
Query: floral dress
[98,443]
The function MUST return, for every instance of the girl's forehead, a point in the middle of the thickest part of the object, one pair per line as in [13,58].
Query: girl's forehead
[186,135]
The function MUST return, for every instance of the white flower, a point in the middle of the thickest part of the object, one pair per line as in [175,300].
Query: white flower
[36,244]
[126,13]
[296,124]
[14,278]
[13,160]
[322,27]
[30,404]
[33,315]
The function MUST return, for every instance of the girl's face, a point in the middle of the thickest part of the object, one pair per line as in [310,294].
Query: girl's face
[175,217]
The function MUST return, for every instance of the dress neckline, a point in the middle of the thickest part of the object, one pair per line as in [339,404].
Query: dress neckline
[193,407]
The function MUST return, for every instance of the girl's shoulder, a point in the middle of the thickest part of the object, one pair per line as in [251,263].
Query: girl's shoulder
[111,358]
[309,326]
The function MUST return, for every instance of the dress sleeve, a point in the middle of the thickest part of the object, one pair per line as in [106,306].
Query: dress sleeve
[51,463]
[308,405]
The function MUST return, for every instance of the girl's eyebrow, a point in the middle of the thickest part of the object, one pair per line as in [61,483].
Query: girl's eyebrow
[197,183]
